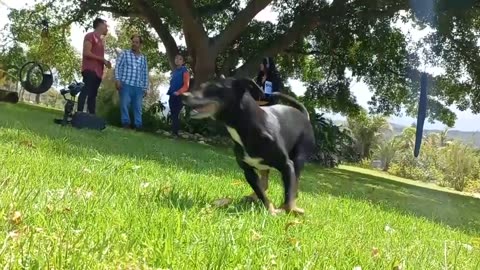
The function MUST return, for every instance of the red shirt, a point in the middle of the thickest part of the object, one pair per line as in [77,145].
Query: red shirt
[98,49]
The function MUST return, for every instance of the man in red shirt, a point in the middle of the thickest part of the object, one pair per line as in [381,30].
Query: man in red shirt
[93,62]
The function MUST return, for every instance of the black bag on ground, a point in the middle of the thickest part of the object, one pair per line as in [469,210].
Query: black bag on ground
[85,120]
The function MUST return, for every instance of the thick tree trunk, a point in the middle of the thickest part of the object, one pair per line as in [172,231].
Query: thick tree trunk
[204,69]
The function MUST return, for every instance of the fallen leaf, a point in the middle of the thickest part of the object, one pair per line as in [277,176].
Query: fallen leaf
[256,236]
[67,209]
[144,185]
[272,260]
[238,183]
[294,241]
[399,266]
[389,229]
[124,236]
[14,234]
[357,268]
[16,218]
[375,252]
[28,144]
[89,194]
[292,223]
[39,230]
[468,247]
[222,202]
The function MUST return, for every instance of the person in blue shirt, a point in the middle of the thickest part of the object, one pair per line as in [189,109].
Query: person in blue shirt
[179,84]
[131,80]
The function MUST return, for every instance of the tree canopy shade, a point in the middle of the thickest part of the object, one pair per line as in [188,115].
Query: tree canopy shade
[318,42]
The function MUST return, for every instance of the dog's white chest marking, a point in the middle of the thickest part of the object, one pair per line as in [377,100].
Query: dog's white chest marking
[252,161]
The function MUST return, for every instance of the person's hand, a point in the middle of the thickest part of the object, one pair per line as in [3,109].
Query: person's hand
[176,93]
[118,85]
[107,63]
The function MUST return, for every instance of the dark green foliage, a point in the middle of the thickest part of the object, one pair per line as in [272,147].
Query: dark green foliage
[333,145]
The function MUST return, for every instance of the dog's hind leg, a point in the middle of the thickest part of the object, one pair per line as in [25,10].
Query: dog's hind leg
[298,164]
[253,181]
[290,185]
[263,184]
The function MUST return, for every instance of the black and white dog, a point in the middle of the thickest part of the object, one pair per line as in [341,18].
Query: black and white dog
[277,136]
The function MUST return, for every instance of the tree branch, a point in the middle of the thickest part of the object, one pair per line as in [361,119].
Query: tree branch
[191,23]
[235,28]
[299,29]
[127,12]
[145,8]
[212,9]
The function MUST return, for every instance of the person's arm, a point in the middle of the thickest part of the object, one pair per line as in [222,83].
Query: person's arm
[145,74]
[186,84]
[87,48]
[119,66]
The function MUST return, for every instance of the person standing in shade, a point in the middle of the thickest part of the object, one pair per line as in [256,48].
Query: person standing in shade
[93,62]
[269,80]
[131,80]
[179,84]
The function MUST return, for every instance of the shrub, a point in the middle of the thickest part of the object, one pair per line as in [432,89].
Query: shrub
[460,165]
[365,163]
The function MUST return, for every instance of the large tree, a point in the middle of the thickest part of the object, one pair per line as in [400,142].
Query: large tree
[319,41]
[34,35]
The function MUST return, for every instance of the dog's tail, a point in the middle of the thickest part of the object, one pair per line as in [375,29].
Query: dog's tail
[298,105]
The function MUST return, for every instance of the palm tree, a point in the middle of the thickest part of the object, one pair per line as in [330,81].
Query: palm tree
[443,137]
[386,151]
[407,138]
[367,131]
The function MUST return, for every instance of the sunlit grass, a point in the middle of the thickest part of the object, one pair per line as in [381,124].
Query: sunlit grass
[72,199]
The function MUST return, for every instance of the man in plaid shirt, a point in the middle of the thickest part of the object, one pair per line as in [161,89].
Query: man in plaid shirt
[131,75]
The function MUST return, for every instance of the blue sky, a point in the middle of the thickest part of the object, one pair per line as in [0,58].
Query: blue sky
[466,120]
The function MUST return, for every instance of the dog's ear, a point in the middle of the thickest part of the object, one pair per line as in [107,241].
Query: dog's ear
[253,88]
[249,85]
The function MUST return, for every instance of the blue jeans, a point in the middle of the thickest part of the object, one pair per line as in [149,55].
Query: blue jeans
[131,96]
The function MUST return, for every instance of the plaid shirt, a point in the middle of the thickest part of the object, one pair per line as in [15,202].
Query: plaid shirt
[132,69]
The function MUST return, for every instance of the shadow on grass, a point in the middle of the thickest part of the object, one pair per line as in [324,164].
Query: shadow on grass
[447,208]
[454,210]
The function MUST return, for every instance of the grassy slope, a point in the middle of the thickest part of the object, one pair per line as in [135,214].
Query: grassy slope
[102,200]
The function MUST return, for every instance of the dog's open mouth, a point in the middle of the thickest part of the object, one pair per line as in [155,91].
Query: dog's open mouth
[204,110]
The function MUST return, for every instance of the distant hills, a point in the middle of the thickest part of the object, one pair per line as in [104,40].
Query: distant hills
[468,137]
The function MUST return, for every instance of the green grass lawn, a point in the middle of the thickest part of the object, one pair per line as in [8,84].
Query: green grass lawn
[78,199]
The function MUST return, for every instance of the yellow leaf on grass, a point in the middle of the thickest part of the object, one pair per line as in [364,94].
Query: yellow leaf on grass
[238,183]
[399,266]
[375,252]
[292,223]
[293,241]
[222,202]
[256,236]
[16,218]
